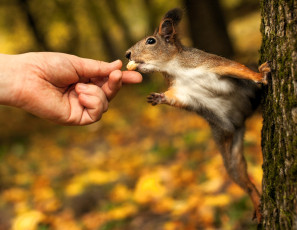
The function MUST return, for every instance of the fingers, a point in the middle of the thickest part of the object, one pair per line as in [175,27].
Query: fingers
[131,77]
[89,68]
[93,99]
[115,80]
[89,102]
[113,85]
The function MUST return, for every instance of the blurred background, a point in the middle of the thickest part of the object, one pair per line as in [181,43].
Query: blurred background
[140,166]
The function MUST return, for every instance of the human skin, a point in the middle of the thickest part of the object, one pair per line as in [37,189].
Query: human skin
[60,87]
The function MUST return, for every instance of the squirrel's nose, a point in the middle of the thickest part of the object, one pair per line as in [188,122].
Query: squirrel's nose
[128,54]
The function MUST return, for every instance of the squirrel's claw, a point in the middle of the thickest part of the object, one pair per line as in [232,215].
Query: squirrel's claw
[156,98]
[264,69]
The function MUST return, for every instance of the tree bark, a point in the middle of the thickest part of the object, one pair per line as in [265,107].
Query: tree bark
[279,134]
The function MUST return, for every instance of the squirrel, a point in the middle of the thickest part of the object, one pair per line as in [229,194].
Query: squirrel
[224,92]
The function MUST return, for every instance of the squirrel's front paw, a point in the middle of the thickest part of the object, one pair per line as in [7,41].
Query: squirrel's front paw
[265,70]
[156,98]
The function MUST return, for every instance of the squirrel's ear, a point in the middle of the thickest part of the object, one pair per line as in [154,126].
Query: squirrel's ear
[167,30]
[175,15]
[168,24]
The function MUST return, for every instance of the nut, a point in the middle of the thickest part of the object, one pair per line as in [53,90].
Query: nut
[132,65]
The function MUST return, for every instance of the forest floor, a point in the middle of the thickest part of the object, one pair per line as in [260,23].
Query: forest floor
[140,166]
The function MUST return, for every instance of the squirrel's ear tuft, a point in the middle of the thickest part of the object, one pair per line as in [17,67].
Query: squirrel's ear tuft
[175,15]
[167,26]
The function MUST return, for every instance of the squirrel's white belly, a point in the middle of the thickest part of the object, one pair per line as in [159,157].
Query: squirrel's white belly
[200,88]
[208,93]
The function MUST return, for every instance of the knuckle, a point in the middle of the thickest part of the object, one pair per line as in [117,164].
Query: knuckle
[105,108]
[102,104]
[99,66]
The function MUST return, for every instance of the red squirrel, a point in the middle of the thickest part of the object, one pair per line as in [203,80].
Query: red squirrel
[222,91]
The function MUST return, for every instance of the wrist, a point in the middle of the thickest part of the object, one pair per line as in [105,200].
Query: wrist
[8,83]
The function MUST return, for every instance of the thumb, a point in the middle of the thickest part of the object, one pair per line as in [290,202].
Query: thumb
[89,68]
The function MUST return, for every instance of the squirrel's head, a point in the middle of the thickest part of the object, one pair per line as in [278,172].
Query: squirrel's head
[152,52]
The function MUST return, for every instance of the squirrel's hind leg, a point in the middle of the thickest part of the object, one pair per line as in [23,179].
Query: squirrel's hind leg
[240,71]
[231,147]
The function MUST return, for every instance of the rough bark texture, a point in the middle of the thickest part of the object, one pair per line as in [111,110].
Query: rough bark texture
[279,134]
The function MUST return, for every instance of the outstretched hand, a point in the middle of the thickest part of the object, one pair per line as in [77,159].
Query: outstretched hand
[63,88]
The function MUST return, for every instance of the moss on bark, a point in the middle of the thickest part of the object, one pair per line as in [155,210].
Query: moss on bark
[279,133]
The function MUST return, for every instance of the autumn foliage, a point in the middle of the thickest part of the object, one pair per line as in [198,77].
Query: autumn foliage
[141,166]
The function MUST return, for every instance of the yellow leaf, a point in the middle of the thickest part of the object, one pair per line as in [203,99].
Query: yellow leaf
[23,178]
[256,174]
[44,193]
[27,221]
[212,186]
[120,193]
[164,205]
[65,221]
[74,189]
[172,225]
[207,214]
[149,188]
[122,212]
[50,205]
[235,191]
[97,177]
[183,206]
[45,199]
[215,168]
[151,116]
[93,220]
[21,207]
[14,195]
[180,207]
[219,200]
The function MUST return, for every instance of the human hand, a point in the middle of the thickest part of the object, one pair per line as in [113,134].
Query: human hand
[60,87]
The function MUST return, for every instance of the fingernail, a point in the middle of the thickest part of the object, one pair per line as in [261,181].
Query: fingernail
[118,62]
[81,86]
[115,61]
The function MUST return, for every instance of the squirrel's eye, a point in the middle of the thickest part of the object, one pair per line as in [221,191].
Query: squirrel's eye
[150,41]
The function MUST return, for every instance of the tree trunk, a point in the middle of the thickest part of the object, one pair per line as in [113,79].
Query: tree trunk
[32,22]
[208,28]
[279,134]
[94,13]
[116,13]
